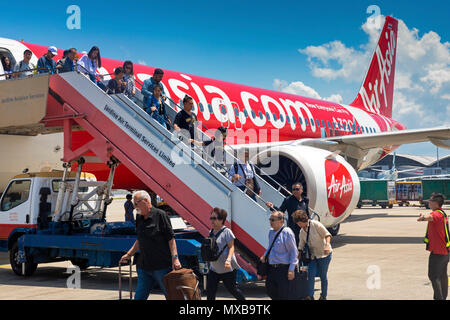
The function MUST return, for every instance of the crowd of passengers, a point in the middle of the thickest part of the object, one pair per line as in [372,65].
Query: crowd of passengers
[241,173]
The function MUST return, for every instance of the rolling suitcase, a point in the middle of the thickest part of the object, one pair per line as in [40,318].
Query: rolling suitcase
[298,288]
[130,281]
[182,284]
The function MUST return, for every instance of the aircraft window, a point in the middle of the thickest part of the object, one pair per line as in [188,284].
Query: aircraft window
[328,123]
[281,117]
[275,116]
[312,122]
[224,111]
[323,123]
[339,126]
[300,120]
[294,120]
[306,121]
[362,129]
[357,128]
[318,123]
[210,108]
[245,113]
[267,115]
[260,114]
[236,111]
[16,194]
[288,119]
[253,114]
[200,106]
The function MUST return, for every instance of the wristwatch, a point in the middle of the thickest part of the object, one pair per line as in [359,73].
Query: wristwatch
[175,256]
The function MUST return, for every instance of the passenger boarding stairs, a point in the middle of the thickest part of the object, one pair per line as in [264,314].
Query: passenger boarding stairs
[189,182]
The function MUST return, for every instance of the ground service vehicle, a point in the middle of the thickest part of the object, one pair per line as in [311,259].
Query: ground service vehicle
[377,192]
[57,216]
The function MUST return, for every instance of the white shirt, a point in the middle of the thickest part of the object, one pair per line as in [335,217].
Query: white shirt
[88,65]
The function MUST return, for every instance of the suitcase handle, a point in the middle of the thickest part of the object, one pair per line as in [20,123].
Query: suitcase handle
[130,280]
[186,287]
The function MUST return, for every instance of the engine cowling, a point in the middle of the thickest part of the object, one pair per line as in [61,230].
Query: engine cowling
[329,181]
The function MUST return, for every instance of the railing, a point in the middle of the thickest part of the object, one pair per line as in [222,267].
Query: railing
[221,168]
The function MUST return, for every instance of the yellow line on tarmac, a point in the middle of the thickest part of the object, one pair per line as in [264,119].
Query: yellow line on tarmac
[5,267]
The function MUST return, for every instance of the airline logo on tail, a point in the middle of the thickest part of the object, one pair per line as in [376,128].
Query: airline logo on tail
[377,92]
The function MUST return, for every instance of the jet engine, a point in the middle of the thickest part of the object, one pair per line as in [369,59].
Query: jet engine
[330,182]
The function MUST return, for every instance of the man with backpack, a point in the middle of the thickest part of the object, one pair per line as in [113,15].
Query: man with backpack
[243,176]
[438,243]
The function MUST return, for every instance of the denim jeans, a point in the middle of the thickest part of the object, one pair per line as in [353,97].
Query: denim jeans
[146,282]
[318,267]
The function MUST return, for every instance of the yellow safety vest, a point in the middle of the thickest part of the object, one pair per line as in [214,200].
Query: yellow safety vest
[447,238]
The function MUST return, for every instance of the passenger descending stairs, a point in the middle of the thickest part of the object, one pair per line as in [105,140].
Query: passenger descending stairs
[169,167]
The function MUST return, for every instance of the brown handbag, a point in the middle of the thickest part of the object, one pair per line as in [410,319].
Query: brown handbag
[182,284]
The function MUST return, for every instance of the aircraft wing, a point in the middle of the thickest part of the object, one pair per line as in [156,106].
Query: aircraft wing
[439,136]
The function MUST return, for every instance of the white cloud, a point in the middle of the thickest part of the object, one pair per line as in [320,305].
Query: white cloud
[142,62]
[422,79]
[301,89]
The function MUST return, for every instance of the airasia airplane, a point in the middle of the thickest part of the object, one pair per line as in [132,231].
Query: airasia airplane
[301,133]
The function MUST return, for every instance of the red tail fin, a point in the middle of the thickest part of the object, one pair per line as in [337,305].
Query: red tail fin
[377,91]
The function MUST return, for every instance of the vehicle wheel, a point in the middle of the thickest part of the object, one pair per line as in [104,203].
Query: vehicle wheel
[383,206]
[30,267]
[334,230]
[391,206]
[400,204]
[83,264]
[359,205]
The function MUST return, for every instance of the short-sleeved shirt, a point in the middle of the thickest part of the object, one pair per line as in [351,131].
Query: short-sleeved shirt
[114,87]
[218,266]
[246,171]
[46,66]
[153,235]
[186,122]
[316,242]
[292,204]
[22,66]
[436,234]
[68,65]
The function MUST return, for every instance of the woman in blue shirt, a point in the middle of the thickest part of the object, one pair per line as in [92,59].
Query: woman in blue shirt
[156,107]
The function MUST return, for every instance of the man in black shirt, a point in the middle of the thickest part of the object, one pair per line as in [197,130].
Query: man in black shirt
[156,245]
[185,120]
[292,203]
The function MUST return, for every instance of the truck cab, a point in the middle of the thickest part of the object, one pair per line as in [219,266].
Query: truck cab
[27,202]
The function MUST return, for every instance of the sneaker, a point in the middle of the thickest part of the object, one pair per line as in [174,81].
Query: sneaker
[322,298]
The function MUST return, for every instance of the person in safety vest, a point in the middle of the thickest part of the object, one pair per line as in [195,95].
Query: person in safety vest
[438,243]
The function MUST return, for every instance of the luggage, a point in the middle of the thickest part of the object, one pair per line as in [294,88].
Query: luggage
[209,249]
[182,284]
[298,288]
[130,281]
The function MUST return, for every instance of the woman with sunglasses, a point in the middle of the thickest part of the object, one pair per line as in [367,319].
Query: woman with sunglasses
[224,268]
[128,77]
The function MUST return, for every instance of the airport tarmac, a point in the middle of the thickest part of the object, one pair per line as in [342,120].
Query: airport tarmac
[379,254]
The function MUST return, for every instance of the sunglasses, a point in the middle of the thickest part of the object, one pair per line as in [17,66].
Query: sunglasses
[274,219]
[296,189]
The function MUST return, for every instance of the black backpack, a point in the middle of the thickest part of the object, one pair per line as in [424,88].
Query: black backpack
[209,249]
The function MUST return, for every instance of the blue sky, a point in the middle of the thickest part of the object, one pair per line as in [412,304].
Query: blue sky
[256,43]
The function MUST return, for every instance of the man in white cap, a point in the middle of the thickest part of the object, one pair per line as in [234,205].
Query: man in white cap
[46,64]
